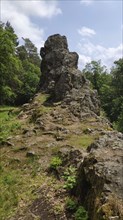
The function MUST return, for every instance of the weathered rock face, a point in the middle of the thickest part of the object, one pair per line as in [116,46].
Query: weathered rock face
[62,80]
[100,180]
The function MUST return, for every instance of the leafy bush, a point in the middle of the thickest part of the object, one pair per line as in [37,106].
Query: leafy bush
[55,163]
[81,214]
[71,205]
[70,178]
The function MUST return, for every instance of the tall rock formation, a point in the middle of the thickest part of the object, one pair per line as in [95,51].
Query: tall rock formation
[62,79]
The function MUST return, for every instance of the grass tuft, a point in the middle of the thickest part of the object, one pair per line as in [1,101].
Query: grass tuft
[9,123]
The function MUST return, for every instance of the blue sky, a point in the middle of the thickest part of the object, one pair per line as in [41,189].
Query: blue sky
[93,27]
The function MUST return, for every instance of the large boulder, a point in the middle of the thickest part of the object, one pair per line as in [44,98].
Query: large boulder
[62,80]
[100,178]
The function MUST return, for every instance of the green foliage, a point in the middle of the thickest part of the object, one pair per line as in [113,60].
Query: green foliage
[10,65]
[70,178]
[119,123]
[71,205]
[31,51]
[34,165]
[58,209]
[109,87]
[81,214]
[117,77]
[74,208]
[93,71]
[18,181]
[20,70]
[81,141]
[8,122]
[55,163]
[8,199]
[30,79]
[42,98]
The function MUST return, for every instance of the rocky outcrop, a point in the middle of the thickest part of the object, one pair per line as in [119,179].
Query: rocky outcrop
[63,81]
[90,171]
[100,179]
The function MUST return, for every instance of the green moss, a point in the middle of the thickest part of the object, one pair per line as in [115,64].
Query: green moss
[44,109]
[41,98]
[81,141]
[6,108]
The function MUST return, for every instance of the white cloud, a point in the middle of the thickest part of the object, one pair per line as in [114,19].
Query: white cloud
[85,31]
[83,59]
[38,8]
[20,14]
[86,2]
[89,51]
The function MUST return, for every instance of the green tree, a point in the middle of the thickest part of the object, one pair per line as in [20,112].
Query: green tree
[19,68]
[101,81]
[9,64]
[32,53]
[109,87]
[30,81]
[117,77]
[117,90]
[119,122]
[96,73]
[30,60]
[22,53]
[11,33]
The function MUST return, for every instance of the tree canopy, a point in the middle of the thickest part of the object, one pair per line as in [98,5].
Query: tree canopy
[19,66]
[109,87]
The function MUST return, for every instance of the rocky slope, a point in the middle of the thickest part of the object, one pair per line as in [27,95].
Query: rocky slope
[65,155]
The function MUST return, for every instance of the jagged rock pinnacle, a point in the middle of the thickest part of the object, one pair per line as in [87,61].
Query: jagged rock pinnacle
[62,80]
